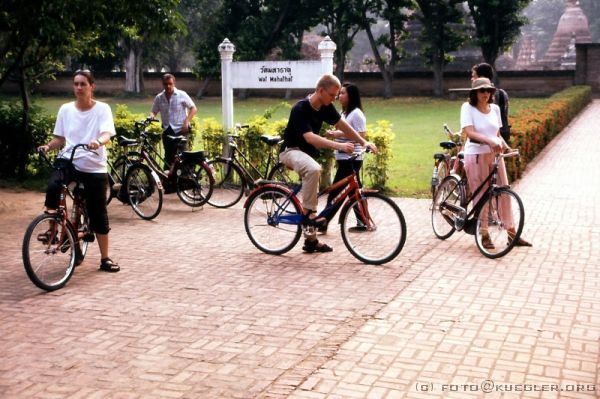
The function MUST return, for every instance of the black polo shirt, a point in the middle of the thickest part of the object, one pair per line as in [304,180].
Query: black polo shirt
[304,118]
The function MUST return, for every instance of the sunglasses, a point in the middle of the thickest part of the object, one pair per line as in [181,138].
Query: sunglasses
[485,90]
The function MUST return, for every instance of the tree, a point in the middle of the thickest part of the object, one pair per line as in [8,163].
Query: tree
[341,19]
[441,34]
[257,28]
[33,42]
[144,24]
[395,14]
[591,8]
[497,24]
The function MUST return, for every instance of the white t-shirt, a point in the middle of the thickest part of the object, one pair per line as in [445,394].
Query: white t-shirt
[486,124]
[81,127]
[357,120]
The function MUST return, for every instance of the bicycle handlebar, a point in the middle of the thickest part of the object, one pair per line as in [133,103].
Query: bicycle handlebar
[84,146]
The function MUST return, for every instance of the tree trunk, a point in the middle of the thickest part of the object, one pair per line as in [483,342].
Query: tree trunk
[23,139]
[438,77]
[133,69]
[340,60]
[203,87]
[388,77]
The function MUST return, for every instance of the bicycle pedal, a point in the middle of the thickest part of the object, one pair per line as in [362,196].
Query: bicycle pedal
[88,237]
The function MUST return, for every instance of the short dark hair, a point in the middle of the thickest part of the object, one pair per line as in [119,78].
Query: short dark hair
[167,76]
[87,73]
[353,98]
[484,70]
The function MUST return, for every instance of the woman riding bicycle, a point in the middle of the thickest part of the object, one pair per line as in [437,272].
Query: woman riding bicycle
[480,120]
[88,121]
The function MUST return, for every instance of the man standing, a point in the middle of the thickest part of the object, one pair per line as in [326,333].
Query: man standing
[301,142]
[176,110]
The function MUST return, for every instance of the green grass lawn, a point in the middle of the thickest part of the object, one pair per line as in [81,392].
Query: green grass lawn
[417,124]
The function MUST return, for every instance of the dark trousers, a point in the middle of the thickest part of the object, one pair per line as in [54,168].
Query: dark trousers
[94,193]
[344,169]
[171,147]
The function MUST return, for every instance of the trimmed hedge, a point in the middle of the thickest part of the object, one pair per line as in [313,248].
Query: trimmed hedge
[532,129]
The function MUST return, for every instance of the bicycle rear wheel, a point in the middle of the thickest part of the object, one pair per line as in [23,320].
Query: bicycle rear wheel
[282,173]
[194,183]
[229,183]
[373,228]
[48,252]
[272,220]
[442,220]
[143,194]
[499,223]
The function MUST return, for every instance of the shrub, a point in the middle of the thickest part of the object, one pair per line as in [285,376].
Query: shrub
[18,146]
[534,128]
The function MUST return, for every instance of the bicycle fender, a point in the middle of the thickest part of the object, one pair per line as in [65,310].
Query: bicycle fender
[277,186]
[156,179]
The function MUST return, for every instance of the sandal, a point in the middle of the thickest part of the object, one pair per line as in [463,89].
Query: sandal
[318,222]
[107,265]
[315,246]
[521,242]
[44,238]
[486,242]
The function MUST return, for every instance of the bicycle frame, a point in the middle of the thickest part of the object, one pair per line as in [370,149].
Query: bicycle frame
[489,189]
[350,191]
[233,150]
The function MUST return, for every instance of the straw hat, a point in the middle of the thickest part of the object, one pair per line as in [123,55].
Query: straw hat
[482,83]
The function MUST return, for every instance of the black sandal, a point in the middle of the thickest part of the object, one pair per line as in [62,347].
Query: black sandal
[319,222]
[107,265]
[315,246]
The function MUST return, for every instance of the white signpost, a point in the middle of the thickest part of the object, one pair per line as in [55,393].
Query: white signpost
[269,74]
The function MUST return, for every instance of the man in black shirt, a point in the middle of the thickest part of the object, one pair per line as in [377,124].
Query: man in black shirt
[301,143]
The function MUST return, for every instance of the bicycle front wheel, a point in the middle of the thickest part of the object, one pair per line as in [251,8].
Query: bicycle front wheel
[373,228]
[49,252]
[282,173]
[229,183]
[272,220]
[194,184]
[142,192]
[442,219]
[499,223]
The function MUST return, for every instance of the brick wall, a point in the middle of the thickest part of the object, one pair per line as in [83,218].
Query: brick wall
[516,83]
[587,71]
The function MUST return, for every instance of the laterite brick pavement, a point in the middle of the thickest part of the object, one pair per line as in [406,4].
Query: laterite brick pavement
[198,312]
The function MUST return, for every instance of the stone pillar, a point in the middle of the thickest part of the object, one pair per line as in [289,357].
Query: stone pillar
[327,48]
[226,49]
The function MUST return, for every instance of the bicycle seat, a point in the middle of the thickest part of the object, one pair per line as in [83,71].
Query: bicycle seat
[187,156]
[127,142]
[177,139]
[448,145]
[270,140]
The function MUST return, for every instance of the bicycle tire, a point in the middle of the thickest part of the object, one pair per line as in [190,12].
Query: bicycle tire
[116,176]
[84,228]
[49,263]
[492,220]
[282,173]
[382,238]
[143,194]
[448,191]
[194,183]
[264,224]
[229,183]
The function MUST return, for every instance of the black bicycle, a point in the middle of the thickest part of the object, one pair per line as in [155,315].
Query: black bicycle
[189,176]
[55,243]
[496,220]
[235,174]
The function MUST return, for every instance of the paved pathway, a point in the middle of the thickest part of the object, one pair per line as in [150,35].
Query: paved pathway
[198,312]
